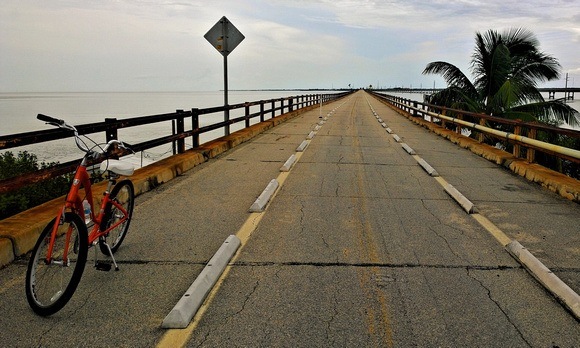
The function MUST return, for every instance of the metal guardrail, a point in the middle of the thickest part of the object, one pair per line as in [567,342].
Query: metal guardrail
[110,126]
[520,134]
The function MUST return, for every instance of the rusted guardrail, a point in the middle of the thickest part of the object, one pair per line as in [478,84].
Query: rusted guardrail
[521,135]
[265,108]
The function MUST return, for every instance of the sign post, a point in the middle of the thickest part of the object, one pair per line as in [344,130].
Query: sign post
[225,37]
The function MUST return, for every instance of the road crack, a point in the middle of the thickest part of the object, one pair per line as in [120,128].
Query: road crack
[497,304]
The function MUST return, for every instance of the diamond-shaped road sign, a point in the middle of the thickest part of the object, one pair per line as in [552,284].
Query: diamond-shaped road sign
[224,29]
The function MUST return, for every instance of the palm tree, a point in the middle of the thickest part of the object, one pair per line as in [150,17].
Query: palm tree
[507,68]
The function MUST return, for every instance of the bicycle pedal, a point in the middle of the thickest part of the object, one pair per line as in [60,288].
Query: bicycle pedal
[103,266]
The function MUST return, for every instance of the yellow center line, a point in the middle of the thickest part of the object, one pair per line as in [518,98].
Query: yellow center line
[501,237]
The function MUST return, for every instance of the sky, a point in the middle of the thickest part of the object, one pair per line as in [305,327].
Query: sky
[159,45]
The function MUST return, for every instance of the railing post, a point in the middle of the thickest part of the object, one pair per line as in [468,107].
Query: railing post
[415,109]
[179,130]
[173,145]
[247,115]
[291,105]
[261,111]
[531,153]
[195,126]
[517,148]
[481,136]
[111,133]
[273,108]
[281,106]
[458,127]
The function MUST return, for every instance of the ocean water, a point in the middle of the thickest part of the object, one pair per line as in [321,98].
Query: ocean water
[18,114]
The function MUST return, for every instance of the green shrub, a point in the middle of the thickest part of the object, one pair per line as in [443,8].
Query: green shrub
[32,195]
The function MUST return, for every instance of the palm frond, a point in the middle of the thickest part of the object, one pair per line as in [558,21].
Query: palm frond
[550,111]
[452,74]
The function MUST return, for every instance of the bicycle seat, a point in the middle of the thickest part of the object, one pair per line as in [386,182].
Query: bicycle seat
[118,167]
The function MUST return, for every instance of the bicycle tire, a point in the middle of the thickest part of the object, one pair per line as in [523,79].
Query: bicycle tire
[124,194]
[49,287]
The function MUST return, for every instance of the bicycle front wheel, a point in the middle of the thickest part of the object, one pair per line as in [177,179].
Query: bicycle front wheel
[50,285]
[123,195]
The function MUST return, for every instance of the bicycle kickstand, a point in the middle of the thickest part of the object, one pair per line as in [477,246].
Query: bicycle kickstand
[105,266]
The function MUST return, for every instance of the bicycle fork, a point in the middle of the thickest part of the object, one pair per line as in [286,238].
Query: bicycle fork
[102,266]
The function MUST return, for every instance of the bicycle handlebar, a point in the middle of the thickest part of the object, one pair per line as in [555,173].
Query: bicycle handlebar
[50,119]
[110,147]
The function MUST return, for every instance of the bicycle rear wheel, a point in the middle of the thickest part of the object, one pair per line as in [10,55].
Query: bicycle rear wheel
[49,286]
[123,194]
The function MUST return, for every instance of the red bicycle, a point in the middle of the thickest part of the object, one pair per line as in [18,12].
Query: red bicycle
[60,254]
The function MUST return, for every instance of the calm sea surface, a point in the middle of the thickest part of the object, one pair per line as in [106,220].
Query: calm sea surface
[18,114]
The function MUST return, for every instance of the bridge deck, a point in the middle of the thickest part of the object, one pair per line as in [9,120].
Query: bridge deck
[359,247]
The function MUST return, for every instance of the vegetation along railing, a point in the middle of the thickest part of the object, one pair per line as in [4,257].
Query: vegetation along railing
[559,147]
[265,108]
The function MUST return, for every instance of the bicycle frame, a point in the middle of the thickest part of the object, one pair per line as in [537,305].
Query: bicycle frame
[74,203]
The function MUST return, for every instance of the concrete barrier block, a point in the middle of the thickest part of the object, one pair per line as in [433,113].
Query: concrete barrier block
[288,164]
[547,278]
[427,167]
[261,202]
[396,137]
[311,135]
[460,199]
[408,149]
[23,229]
[180,316]
[302,146]
[6,251]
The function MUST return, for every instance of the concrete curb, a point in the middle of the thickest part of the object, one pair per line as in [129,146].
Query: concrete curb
[460,198]
[407,148]
[180,316]
[288,164]
[549,280]
[302,146]
[264,197]
[427,167]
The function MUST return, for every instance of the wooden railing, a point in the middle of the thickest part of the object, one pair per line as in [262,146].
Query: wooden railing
[262,109]
[522,136]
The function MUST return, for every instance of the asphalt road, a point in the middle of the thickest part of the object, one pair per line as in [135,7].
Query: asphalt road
[359,247]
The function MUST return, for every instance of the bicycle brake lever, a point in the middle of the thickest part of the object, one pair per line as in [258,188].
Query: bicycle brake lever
[126,146]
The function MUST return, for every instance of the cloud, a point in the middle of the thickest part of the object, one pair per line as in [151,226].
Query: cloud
[75,44]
